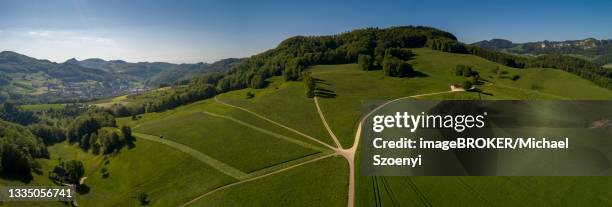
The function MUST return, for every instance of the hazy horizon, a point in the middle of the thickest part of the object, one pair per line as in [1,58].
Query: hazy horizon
[207,31]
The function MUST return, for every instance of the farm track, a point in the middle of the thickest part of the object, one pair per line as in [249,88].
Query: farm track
[265,131]
[348,154]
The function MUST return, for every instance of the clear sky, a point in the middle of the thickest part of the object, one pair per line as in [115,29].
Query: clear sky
[193,31]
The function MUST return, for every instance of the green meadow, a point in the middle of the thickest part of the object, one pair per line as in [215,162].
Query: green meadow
[224,140]
[342,89]
[39,107]
[278,141]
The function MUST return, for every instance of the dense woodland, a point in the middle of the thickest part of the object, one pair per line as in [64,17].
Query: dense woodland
[18,148]
[91,129]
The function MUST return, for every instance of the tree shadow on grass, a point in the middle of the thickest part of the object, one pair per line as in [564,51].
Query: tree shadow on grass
[320,81]
[324,93]
[480,92]
[25,178]
[83,189]
[417,74]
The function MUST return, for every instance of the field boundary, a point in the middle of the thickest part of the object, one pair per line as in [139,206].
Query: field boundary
[224,168]
[265,131]
[276,123]
[255,178]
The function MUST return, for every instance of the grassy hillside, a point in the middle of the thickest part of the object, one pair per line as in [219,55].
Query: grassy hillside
[284,102]
[352,85]
[321,183]
[39,107]
[345,86]
[277,140]
[225,140]
[133,171]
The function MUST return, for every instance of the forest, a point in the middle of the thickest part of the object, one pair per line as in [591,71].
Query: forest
[91,129]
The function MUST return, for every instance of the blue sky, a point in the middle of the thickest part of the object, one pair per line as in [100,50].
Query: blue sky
[193,31]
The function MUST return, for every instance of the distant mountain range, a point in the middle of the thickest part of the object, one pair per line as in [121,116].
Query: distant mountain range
[32,80]
[597,51]
[154,73]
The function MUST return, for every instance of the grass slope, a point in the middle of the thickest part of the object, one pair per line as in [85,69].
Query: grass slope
[173,177]
[321,183]
[351,85]
[241,147]
[40,107]
[150,167]
[284,102]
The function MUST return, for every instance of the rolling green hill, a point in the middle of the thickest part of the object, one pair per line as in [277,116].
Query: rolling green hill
[284,103]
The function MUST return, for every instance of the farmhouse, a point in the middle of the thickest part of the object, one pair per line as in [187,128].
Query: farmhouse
[456,87]
[459,87]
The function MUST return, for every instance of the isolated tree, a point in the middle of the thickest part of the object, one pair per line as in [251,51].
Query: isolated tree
[75,170]
[366,62]
[476,79]
[467,84]
[405,69]
[128,138]
[395,67]
[467,71]
[250,95]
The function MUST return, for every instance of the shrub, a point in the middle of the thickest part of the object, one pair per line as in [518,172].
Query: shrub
[395,67]
[250,95]
[143,198]
[467,84]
